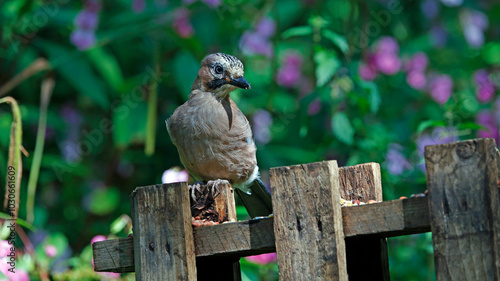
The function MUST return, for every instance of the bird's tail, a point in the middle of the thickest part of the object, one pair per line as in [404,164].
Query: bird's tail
[258,204]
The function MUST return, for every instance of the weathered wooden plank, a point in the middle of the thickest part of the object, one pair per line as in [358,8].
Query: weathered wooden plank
[115,255]
[363,182]
[225,268]
[308,227]
[163,235]
[464,209]
[245,238]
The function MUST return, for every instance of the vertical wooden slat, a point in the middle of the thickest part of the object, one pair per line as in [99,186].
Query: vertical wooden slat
[363,182]
[308,222]
[217,268]
[464,209]
[163,235]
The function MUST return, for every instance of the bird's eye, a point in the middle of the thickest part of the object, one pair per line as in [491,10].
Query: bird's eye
[218,69]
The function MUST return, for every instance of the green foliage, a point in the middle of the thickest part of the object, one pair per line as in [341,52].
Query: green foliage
[105,121]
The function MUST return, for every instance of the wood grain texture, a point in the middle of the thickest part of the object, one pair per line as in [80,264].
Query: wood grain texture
[308,222]
[245,238]
[464,209]
[363,182]
[224,203]
[226,268]
[163,235]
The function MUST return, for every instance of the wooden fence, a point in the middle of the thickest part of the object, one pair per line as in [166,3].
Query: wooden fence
[316,239]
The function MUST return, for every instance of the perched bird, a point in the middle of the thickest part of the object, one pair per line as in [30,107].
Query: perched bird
[214,138]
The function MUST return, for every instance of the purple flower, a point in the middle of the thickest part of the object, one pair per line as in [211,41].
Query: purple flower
[395,161]
[314,107]
[262,121]
[266,27]
[262,259]
[138,6]
[290,72]
[251,43]
[416,79]
[212,3]
[441,88]
[387,63]
[485,88]
[87,20]
[387,45]
[474,23]
[418,61]
[182,24]
[50,251]
[83,39]
[430,8]
[439,135]
[174,175]
[93,5]
[439,35]
[487,119]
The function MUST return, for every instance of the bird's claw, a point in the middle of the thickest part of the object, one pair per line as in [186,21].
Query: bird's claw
[194,187]
[214,185]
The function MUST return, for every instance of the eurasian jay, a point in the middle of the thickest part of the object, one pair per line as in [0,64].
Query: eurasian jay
[214,138]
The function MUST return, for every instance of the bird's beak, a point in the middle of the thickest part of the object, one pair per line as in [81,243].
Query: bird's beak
[239,82]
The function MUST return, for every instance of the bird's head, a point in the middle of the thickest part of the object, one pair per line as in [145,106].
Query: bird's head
[220,74]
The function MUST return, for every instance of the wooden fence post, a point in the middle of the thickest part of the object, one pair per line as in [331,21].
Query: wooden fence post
[163,235]
[464,209]
[308,222]
[221,268]
[363,182]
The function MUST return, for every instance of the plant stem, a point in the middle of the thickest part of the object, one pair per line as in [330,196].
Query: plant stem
[149,148]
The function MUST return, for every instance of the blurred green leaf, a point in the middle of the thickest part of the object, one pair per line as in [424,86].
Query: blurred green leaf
[428,124]
[119,224]
[491,53]
[342,128]
[104,201]
[297,31]
[185,70]
[326,66]
[336,39]
[107,65]
[77,71]
[469,126]
[129,121]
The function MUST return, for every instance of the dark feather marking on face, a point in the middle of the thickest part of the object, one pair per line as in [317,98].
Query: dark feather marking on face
[216,83]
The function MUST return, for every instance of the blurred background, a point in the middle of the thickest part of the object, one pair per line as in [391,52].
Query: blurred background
[354,81]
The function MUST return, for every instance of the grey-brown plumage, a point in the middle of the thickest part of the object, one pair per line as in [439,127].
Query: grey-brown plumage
[212,135]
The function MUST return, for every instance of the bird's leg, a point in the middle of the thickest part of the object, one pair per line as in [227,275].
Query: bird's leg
[214,185]
[195,187]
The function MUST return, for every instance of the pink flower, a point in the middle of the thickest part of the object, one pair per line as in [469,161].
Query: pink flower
[416,79]
[174,175]
[418,61]
[50,251]
[182,24]
[98,238]
[441,88]
[387,45]
[4,248]
[367,72]
[387,63]
[262,259]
